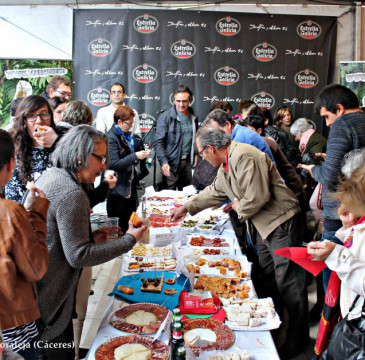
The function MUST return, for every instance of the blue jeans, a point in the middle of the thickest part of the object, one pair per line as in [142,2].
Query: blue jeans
[328,235]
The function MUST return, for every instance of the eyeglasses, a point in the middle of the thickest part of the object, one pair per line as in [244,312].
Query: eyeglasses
[64,93]
[32,118]
[102,159]
[127,123]
[200,153]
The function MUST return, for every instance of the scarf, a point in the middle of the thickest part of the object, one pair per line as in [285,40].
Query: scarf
[331,308]
[127,137]
[304,140]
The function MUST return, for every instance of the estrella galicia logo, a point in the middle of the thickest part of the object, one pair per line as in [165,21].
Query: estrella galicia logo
[145,24]
[264,52]
[146,121]
[100,47]
[98,96]
[226,76]
[144,74]
[172,98]
[306,79]
[309,30]
[183,49]
[263,99]
[228,26]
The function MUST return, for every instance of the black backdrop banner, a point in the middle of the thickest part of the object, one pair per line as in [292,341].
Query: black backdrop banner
[273,60]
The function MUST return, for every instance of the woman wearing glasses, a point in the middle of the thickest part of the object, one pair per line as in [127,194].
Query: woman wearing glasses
[125,151]
[33,119]
[80,157]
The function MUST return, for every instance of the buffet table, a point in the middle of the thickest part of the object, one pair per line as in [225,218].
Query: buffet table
[258,344]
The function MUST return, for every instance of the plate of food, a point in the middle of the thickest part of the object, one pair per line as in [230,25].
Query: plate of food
[210,241]
[150,286]
[207,334]
[141,318]
[219,266]
[141,263]
[251,314]
[150,250]
[132,347]
[199,251]
[225,287]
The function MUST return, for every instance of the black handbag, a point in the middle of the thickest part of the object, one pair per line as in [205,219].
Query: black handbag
[348,338]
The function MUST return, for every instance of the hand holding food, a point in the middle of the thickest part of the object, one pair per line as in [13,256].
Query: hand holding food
[45,136]
[136,232]
[136,221]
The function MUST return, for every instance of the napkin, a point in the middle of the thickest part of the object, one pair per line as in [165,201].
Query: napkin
[300,256]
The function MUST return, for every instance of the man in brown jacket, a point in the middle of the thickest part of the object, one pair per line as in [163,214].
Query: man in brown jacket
[250,180]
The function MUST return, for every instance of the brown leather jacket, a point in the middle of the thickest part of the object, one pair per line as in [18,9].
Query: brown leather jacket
[23,259]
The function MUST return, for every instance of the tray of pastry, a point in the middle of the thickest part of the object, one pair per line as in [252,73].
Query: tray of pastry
[226,287]
[219,266]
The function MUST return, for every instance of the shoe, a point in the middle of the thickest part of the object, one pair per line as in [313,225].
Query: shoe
[292,349]
[83,353]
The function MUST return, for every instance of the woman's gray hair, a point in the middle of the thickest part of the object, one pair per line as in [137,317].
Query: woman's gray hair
[76,146]
[300,125]
[214,136]
[352,161]
[77,113]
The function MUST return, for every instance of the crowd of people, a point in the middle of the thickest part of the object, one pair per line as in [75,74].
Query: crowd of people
[277,177]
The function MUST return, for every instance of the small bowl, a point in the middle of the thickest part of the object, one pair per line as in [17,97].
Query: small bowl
[205,228]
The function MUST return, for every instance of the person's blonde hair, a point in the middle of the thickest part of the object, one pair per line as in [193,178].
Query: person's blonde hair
[351,192]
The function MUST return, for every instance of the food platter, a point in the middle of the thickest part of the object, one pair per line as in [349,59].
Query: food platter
[135,281]
[155,350]
[207,334]
[141,318]
[219,266]
[251,315]
[209,241]
[138,263]
[225,287]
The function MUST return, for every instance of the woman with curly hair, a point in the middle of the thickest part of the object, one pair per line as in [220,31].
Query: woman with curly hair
[34,137]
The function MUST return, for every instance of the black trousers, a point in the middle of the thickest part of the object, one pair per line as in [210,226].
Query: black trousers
[60,348]
[183,177]
[118,206]
[283,280]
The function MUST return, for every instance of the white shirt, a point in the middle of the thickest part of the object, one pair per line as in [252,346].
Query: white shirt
[105,119]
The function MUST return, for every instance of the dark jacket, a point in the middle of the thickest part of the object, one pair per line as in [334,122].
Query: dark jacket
[347,133]
[123,161]
[283,140]
[286,170]
[168,139]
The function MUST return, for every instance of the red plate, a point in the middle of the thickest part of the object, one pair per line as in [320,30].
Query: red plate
[117,318]
[225,336]
[105,351]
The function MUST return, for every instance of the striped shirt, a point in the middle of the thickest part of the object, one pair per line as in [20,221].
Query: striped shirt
[18,337]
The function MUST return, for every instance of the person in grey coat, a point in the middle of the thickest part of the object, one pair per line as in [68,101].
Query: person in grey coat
[79,158]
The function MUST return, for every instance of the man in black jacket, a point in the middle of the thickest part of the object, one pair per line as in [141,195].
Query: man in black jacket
[174,140]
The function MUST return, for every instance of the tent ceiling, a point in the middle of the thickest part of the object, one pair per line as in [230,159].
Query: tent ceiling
[175,3]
